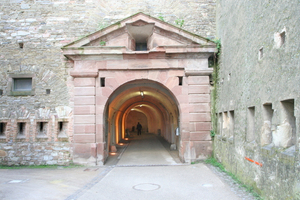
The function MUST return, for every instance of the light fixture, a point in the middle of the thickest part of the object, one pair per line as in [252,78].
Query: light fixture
[142,94]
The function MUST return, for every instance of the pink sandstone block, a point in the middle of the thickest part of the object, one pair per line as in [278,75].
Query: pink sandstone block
[101,100]
[200,117]
[84,82]
[200,136]
[199,89]
[200,126]
[199,98]
[82,150]
[152,75]
[94,150]
[203,126]
[198,80]
[84,138]
[120,77]
[176,90]
[175,73]
[100,148]
[84,91]
[171,82]
[185,126]
[99,133]
[84,119]
[84,128]
[84,100]
[185,135]
[111,82]
[141,75]
[183,99]
[84,110]
[163,76]
[185,118]
[99,119]
[199,107]
[100,110]
[106,91]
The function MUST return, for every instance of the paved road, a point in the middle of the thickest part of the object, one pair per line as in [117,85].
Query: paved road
[142,169]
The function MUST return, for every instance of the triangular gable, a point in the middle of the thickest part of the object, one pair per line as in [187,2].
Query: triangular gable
[138,29]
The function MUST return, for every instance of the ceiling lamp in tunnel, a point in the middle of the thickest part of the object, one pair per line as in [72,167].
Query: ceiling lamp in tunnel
[142,94]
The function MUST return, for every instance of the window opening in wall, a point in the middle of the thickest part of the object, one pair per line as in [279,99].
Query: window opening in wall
[220,121]
[260,53]
[21,45]
[266,130]
[180,78]
[282,38]
[62,129]
[141,46]
[285,134]
[1,92]
[250,124]
[231,123]
[42,128]
[211,61]
[48,91]
[102,82]
[279,38]
[225,127]
[2,129]
[21,128]
[22,84]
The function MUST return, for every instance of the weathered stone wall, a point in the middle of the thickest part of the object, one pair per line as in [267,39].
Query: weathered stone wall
[31,36]
[258,94]
[41,153]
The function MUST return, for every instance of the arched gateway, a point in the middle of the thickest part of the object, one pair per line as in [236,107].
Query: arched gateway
[140,68]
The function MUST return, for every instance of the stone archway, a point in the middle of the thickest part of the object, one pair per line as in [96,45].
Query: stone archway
[141,99]
[106,63]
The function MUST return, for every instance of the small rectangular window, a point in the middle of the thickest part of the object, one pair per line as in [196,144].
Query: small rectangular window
[62,129]
[251,124]
[180,78]
[287,126]
[141,46]
[2,129]
[102,82]
[231,123]
[22,84]
[21,129]
[41,129]
[266,130]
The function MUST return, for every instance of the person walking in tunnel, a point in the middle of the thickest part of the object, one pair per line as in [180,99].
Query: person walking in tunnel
[139,128]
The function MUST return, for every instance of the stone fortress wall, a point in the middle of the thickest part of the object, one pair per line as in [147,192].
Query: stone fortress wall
[258,99]
[37,128]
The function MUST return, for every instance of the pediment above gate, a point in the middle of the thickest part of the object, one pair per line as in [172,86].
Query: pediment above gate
[139,36]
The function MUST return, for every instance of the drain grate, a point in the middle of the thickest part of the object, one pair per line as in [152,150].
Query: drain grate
[146,187]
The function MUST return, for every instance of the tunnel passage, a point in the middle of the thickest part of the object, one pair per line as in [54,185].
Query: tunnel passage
[144,101]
